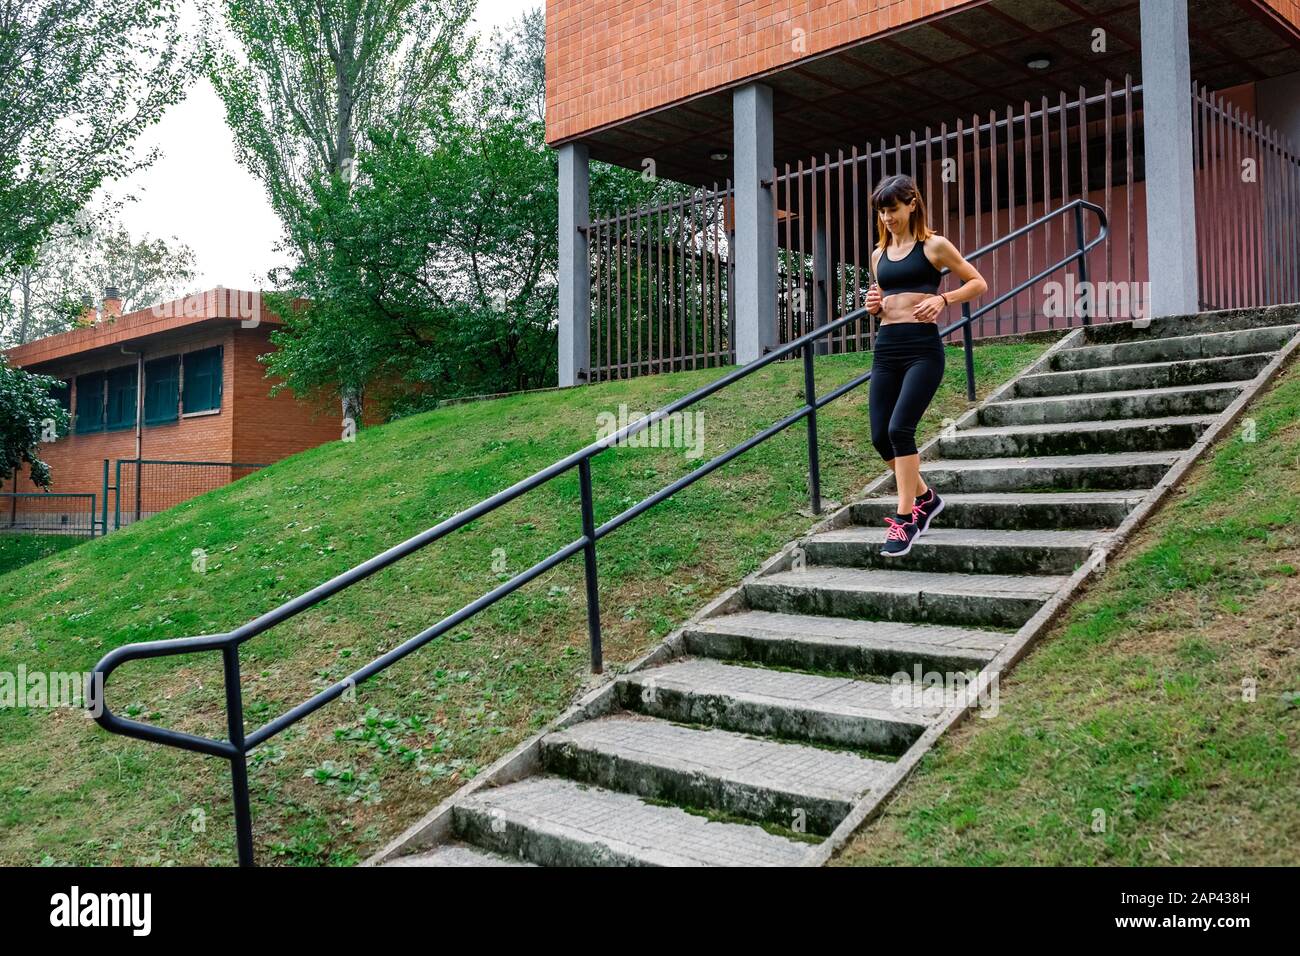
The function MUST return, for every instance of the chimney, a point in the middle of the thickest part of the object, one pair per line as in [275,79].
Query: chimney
[88,316]
[112,304]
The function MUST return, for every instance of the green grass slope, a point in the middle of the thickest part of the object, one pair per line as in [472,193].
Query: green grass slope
[17,550]
[1158,722]
[338,784]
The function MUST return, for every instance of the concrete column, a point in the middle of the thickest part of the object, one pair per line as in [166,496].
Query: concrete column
[1167,132]
[575,272]
[754,321]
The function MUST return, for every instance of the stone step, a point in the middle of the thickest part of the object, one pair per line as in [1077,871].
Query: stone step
[551,821]
[1121,470]
[811,643]
[456,854]
[1016,511]
[806,789]
[993,600]
[863,715]
[1229,368]
[1207,399]
[1075,438]
[1171,348]
[970,550]
[1198,323]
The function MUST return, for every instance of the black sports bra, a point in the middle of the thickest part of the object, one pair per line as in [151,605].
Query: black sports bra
[913,273]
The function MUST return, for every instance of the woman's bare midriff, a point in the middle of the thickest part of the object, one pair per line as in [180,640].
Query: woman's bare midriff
[898,307]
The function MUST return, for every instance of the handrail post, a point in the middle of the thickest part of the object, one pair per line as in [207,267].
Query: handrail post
[968,341]
[1083,264]
[589,563]
[810,399]
[239,763]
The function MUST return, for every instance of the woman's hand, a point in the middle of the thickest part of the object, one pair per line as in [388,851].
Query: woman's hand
[928,309]
[874,302]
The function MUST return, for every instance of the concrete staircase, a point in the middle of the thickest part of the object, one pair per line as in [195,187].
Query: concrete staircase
[784,714]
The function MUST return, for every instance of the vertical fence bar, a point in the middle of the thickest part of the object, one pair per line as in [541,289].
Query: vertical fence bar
[841,283]
[659,288]
[1011,214]
[1029,207]
[1109,184]
[589,565]
[104,504]
[857,258]
[993,208]
[1083,168]
[1129,226]
[801,298]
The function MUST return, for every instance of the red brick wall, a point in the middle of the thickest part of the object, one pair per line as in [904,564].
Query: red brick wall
[607,60]
[268,429]
[77,460]
[249,427]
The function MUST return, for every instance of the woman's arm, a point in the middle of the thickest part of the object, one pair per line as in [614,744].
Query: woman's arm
[947,256]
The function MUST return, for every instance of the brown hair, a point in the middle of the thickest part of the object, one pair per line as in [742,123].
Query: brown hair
[900,189]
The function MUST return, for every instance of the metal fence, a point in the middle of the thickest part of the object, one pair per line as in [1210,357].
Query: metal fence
[662,285]
[48,513]
[141,488]
[662,293]
[1247,207]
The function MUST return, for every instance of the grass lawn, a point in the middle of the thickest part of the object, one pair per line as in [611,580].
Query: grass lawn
[1158,722]
[335,786]
[17,550]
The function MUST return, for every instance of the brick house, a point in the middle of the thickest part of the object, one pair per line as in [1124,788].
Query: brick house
[780,116]
[179,381]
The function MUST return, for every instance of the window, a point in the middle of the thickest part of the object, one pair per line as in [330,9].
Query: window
[162,381]
[202,381]
[90,403]
[62,393]
[121,398]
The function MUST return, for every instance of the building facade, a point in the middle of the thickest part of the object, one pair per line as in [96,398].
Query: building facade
[176,382]
[1180,118]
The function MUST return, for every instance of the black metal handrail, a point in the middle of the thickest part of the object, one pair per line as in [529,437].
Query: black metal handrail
[238,745]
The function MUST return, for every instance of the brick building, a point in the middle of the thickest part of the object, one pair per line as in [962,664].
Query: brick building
[780,115]
[179,381]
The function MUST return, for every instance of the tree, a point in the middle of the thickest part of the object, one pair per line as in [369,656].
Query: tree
[84,258]
[79,81]
[28,415]
[434,273]
[315,76]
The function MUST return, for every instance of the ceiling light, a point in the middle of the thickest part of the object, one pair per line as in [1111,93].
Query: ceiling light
[1038,63]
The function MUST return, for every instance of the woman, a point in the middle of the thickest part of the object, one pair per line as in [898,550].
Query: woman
[907,364]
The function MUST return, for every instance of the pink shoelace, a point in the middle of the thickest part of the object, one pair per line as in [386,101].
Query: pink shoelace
[897,530]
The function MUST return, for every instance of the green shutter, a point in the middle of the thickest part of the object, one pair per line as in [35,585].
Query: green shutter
[121,398]
[62,393]
[202,380]
[90,403]
[162,379]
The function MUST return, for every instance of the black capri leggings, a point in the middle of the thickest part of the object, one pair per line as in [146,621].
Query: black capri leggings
[906,369]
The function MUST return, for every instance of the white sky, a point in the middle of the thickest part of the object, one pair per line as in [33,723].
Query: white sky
[197,192]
